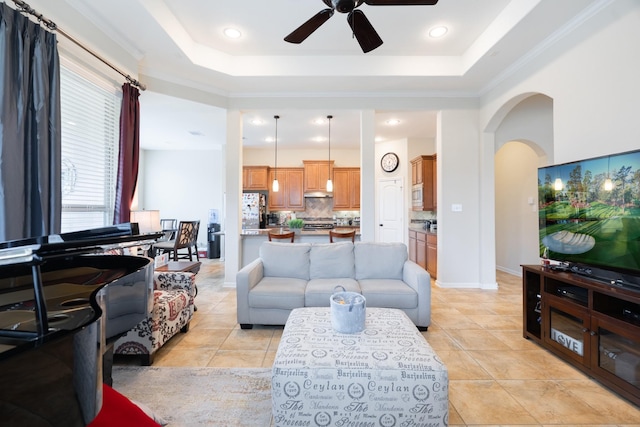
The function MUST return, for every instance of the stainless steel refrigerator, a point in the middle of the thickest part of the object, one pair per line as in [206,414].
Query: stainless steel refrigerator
[254,210]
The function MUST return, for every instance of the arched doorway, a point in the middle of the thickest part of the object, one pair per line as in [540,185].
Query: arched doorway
[523,142]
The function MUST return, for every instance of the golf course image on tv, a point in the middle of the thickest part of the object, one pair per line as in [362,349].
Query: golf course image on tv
[589,212]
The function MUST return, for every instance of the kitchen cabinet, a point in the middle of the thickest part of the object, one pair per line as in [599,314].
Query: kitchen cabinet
[592,325]
[423,250]
[316,174]
[255,178]
[424,180]
[412,245]
[291,195]
[432,254]
[346,188]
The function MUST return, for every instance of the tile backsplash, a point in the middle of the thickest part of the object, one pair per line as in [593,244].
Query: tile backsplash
[320,207]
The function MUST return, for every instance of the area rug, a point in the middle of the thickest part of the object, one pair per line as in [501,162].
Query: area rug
[224,397]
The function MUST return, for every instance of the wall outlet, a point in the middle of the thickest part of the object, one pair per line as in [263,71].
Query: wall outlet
[456,207]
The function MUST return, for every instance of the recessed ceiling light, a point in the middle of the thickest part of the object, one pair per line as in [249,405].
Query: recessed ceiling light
[439,31]
[319,121]
[269,139]
[319,139]
[393,122]
[232,33]
[257,122]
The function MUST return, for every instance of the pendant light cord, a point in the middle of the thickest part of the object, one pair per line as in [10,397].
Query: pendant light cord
[275,172]
[329,117]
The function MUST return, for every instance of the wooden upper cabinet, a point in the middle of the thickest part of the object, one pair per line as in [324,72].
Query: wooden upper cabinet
[290,196]
[424,172]
[295,193]
[316,174]
[416,171]
[255,178]
[346,188]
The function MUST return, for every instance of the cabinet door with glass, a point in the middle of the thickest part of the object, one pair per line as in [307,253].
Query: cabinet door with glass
[567,329]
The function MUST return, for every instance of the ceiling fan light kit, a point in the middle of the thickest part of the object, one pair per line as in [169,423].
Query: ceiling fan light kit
[363,31]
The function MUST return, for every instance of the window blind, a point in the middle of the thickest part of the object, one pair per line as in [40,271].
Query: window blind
[90,110]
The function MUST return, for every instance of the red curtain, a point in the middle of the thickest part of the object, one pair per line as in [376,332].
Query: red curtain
[129,154]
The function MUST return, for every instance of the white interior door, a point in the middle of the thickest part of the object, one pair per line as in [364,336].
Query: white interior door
[391,209]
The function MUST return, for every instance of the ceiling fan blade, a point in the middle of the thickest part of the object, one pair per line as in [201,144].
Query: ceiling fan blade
[400,2]
[366,35]
[303,31]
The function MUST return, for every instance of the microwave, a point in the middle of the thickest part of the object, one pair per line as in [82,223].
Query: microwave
[416,196]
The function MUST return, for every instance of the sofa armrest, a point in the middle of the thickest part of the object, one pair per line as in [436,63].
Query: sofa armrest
[246,279]
[175,281]
[420,281]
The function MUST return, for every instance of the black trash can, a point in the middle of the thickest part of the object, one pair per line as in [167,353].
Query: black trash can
[213,241]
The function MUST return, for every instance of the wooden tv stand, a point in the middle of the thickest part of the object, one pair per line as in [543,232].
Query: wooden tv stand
[593,325]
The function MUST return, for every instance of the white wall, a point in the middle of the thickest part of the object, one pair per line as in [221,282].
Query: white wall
[516,163]
[591,76]
[459,246]
[516,216]
[184,185]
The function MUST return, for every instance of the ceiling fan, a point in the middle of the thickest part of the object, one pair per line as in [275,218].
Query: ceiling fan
[362,29]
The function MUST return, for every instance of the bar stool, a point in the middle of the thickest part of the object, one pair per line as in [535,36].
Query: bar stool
[342,235]
[281,236]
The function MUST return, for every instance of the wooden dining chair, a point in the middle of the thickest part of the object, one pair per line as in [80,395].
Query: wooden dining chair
[281,236]
[342,235]
[186,238]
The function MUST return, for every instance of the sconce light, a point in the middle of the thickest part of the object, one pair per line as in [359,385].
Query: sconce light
[329,182]
[275,186]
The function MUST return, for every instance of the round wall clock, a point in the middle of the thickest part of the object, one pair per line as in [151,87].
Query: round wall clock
[389,162]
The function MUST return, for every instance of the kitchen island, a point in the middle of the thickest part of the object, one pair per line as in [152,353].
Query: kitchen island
[251,239]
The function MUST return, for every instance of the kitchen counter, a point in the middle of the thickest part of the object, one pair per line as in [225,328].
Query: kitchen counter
[419,229]
[323,232]
[251,239]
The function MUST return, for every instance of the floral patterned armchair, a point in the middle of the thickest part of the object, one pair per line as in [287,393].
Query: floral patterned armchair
[173,307]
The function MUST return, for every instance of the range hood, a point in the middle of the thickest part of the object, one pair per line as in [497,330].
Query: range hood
[319,194]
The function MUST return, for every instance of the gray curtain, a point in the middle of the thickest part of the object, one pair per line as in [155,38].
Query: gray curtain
[30,196]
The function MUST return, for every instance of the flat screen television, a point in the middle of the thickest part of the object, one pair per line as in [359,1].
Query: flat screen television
[589,213]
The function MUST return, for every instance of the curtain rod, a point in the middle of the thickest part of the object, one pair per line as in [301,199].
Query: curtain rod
[25,8]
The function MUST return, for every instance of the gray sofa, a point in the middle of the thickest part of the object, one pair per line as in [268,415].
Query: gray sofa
[292,275]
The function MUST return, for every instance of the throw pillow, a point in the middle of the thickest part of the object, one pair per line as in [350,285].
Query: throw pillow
[332,260]
[379,260]
[285,259]
[118,410]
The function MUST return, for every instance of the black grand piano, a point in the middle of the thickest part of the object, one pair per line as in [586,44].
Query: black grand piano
[62,298]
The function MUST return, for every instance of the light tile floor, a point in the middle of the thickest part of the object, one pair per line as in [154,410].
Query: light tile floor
[496,376]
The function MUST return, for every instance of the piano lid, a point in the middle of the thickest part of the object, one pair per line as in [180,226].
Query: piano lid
[97,240]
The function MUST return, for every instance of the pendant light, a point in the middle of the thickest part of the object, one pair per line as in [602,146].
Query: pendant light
[329,182]
[275,186]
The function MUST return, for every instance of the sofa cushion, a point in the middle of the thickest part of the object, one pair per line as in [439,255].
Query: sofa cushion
[331,260]
[388,293]
[379,260]
[285,259]
[319,291]
[278,292]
